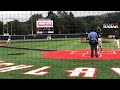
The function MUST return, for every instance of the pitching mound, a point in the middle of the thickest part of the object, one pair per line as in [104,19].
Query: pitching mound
[82,55]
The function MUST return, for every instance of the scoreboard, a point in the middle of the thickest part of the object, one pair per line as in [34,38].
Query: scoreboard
[44,26]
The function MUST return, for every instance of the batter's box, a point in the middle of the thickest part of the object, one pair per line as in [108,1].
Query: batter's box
[108,52]
[77,52]
[88,54]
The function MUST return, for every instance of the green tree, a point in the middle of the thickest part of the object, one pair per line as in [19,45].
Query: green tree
[1,27]
[80,24]
[16,25]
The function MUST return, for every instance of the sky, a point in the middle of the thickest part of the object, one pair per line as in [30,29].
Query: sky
[6,16]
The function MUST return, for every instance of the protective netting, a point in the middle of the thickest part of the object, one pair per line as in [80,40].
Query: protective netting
[55,44]
[24,22]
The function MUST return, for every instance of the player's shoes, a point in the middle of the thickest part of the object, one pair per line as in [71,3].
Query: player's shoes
[91,55]
[96,55]
[101,50]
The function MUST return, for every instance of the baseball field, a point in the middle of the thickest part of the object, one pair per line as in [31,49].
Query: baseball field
[61,58]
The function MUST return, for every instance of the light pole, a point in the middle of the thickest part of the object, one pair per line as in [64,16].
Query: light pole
[11,27]
[3,28]
[7,27]
[31,23]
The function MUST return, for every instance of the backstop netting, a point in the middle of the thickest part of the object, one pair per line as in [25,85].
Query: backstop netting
[53,41]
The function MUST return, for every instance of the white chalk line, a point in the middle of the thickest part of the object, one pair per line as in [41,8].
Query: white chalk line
[86,53]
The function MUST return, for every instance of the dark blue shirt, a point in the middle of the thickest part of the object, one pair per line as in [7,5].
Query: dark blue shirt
[99,36]
[93,36]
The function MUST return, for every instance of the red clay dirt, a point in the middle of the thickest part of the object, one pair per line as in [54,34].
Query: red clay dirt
[3,43]
[82,55]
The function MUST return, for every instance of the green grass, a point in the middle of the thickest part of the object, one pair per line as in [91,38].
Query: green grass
[32,57]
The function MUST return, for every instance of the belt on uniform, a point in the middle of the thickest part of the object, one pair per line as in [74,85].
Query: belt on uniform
[93,40]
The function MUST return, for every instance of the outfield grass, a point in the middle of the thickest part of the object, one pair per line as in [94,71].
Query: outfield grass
[32,57]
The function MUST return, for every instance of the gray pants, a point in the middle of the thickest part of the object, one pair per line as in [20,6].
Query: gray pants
[93,46]
[94,49]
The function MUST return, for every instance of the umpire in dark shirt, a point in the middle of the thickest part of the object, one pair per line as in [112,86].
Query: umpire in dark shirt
[93,41]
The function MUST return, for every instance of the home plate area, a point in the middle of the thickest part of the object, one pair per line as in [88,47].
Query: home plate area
[83,55]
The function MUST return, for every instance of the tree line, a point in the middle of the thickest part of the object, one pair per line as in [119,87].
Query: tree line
[64,23]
